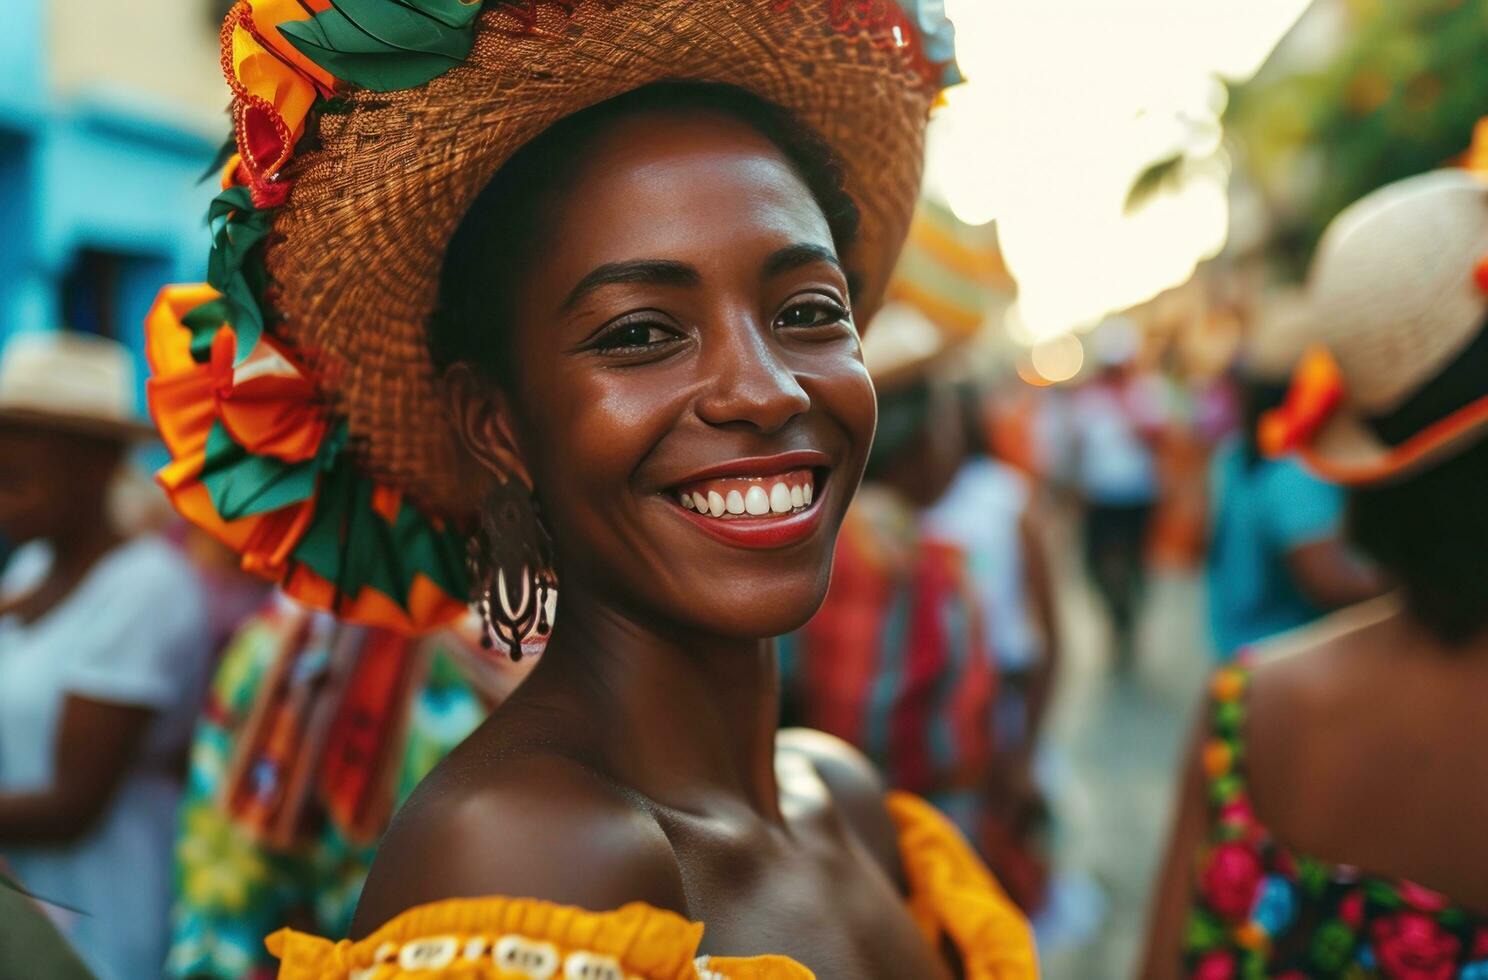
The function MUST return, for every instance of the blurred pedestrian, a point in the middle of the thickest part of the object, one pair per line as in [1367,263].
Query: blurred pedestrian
[1276,561]
[313,732]
[990,511]
[102,659]
[1336,791]
[933,591]
[1115,421]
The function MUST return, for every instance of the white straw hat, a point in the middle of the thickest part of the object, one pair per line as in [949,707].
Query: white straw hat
[72,381]
[1276,338]
[1398,297]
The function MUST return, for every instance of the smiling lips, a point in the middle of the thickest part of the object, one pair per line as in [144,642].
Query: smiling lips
[771,510]
[731,498]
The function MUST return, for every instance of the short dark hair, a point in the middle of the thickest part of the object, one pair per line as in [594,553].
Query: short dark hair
[499,237]
[1430,533]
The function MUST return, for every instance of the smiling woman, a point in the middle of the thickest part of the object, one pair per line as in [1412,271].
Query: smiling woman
[617,350]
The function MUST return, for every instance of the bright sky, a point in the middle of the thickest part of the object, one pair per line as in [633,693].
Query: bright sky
[1068,102]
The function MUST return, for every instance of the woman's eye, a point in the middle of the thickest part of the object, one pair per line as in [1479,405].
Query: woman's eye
[634,336]
[815,313]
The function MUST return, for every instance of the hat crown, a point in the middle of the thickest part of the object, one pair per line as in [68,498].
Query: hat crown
[69,375]
[1393,294]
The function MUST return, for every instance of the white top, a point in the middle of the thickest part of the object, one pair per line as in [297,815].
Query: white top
[1114,465]
[134,633]
[982,512]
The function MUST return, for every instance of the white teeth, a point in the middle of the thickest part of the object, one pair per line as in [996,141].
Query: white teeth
[687,501]
[715,503]
[798,499]
[780,499]
[735,502]
[700,502]
[806,494]
[756,501]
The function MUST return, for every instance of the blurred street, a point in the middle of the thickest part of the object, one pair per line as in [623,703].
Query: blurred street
[1116,742]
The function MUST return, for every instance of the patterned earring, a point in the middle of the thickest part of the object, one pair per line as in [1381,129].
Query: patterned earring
[511,565]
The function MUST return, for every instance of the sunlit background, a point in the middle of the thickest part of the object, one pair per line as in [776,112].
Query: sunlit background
[1090,139]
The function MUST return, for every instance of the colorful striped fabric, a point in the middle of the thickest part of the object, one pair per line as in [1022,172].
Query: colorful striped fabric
[895,661]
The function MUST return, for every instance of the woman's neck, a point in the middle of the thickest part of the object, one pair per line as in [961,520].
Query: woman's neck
[686,719]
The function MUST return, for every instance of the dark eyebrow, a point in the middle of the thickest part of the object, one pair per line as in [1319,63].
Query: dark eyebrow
[656,272]
[795,256]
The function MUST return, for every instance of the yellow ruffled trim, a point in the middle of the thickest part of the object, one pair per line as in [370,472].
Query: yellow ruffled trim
[461,939]
[951,889]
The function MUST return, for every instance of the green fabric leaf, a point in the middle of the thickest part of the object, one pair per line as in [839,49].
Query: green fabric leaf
[381,45]
[204,321]
[1205,932]
[242,484]
[450,13]
[438,554]
[383,25]
[238,228]
[350,545]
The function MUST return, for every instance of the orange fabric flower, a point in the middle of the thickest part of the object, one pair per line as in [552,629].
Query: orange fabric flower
[184,400]
[1227,685]
[1317,391]
[275,85]
[1218,758]
[267,404]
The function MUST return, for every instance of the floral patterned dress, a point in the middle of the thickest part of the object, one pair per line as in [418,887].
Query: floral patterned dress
[1261,911]
[234,884]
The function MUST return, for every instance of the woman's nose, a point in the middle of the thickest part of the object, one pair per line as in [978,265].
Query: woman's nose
[752,385]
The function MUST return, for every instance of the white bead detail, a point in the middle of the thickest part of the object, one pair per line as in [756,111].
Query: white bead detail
[537,961]
[434,953]
[589,966]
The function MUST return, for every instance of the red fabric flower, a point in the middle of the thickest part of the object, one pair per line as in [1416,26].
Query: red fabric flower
[1351,909]
[1421,898]
[1412,946]
[1218,965]
[1230,880]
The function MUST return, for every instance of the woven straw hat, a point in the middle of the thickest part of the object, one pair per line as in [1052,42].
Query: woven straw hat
[294,389]
[361,239]
[72,382]
[1277,338]
[1397,296]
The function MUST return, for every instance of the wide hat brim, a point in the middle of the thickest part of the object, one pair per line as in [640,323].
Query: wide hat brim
[1346,451]
[356,251]
[118,430]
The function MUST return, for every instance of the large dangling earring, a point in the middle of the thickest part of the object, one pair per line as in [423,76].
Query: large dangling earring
[511,564]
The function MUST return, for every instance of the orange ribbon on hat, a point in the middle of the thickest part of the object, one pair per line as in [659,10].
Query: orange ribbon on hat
[1316,392]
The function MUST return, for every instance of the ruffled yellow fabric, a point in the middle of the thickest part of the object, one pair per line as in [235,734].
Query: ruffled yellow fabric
[952,894]
[951,890]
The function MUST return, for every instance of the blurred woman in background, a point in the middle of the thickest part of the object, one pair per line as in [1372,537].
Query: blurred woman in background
[103,652]
[1276,560]
[1336,793]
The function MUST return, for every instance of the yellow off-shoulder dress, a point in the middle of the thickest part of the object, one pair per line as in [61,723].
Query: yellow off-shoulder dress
[951,895]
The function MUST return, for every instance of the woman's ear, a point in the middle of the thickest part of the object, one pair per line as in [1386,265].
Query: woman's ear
[482,416]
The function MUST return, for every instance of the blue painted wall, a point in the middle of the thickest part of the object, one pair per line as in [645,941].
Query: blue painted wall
[113,176]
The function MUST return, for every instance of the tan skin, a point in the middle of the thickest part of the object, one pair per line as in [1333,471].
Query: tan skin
[1367,713]
[52,488]
[640,762]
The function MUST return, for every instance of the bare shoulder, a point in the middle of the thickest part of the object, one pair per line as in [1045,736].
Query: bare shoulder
[1314,696]
[1303,675]
[857,791]
[533,824]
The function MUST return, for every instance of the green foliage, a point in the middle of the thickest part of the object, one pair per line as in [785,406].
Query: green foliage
[1400,97]
[386,45]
